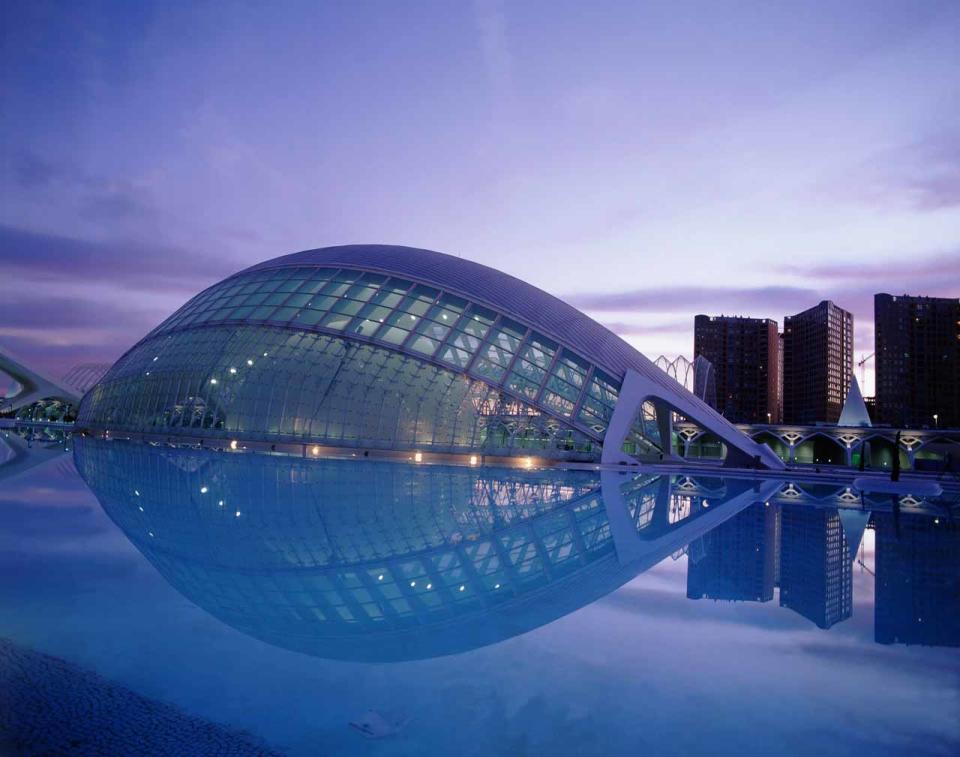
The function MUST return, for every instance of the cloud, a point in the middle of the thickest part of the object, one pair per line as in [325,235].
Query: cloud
[875,657]
[911,268]
[849,285]
[72,313]
[492,32]
[927,173]
[96,197]
[115,203]
[636,600]
[57,333]
[58,358]
[38,256]
[638,329]
[693,299]
[30,171]
[922,175]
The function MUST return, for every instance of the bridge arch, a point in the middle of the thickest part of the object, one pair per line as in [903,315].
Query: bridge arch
[819,448]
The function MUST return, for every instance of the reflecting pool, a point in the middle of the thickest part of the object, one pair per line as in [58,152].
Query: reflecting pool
[352,606]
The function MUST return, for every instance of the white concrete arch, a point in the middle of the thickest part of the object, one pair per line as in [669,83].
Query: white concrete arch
[637,389]
[34,385]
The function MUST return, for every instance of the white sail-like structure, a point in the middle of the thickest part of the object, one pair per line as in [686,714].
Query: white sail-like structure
[854,411]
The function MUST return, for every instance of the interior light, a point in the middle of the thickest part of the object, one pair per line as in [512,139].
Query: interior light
[528,462]
[315,450]
[706,504]
[418,457]
[236,514]
[233,444]
[203,490]
[473,459]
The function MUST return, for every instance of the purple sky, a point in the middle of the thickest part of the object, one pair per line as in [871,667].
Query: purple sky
[646,161]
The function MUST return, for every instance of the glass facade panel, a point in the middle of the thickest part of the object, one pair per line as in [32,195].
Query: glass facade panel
[521,370]
[261,382]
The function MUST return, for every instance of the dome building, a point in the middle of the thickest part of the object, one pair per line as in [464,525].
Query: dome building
[378,347]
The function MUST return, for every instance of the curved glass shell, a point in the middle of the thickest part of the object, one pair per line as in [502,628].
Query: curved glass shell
[356,358]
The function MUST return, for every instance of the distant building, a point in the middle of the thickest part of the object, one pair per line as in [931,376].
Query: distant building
[745,356]
[738,560]
[816,578]
[918,580]
[780,376]
[917,360]
[817,363]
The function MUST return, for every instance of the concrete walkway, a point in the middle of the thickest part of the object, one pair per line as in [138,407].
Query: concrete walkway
[50,707]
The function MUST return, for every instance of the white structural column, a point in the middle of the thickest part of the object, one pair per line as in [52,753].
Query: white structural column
[668,395]
[34,385]
[632,548]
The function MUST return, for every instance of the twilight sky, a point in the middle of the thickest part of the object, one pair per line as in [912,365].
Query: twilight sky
[645,161]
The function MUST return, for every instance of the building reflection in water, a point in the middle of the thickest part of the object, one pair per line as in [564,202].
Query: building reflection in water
[382,561]
[918,579]
[737,559]
[808,551]
[816,566]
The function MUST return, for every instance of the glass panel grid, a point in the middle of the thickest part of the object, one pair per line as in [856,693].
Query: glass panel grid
[417,318]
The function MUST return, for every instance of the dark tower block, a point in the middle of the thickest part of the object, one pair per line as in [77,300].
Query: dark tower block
[918,360]
[817,363]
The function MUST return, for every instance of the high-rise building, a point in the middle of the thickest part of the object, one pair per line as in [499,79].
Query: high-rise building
[738,558]
[816,578]
[746,364]
[917,360]
[817,363]
[918,575]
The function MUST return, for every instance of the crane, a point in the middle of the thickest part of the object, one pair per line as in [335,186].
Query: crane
[861,364]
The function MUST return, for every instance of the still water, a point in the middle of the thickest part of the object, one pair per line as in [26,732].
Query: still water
[351,607]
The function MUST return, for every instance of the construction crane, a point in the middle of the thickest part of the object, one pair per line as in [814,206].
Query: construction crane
[861,364]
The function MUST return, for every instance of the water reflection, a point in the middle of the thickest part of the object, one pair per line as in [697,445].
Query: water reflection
[378,561]
[28,448]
